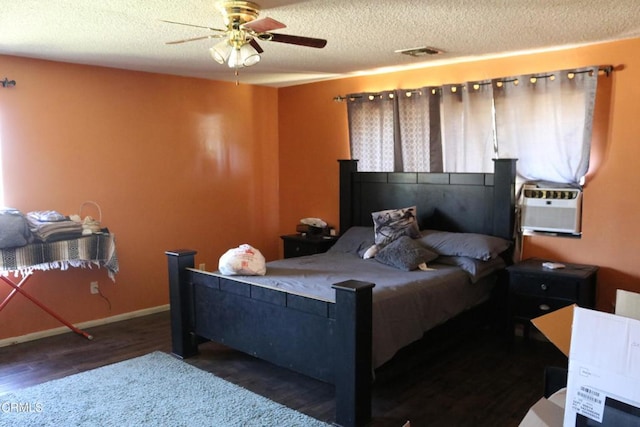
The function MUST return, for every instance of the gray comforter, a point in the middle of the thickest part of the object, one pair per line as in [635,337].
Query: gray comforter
[405,303]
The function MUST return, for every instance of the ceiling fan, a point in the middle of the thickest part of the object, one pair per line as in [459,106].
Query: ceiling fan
[239,47]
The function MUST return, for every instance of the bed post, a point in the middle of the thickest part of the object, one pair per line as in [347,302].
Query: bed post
[347,167]
[183,342]
[504,197]
[353,351]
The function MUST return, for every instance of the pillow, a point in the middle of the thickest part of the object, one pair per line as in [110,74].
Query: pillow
[472,245]
[475,268]
[394,223]
[356,240]
[405,253]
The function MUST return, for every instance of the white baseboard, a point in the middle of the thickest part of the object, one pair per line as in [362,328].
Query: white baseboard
[84,325]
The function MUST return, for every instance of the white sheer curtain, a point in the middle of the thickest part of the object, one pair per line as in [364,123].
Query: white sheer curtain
[545,121]
[371,130]
[467,127]
[415,130]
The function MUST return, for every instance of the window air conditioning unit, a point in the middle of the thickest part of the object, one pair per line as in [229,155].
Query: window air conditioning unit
[554,210]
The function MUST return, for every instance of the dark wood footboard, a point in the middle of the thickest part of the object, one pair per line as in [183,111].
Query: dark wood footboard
[328,341]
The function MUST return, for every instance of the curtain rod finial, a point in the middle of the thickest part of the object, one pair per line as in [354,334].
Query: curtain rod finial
[607,70]
[7,83]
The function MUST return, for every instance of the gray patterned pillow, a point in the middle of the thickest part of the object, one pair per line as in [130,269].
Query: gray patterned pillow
[405,253]
[394,223]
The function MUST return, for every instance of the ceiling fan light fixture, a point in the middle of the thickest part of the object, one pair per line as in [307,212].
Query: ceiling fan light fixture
[221,52]
[252,58]
[243,56]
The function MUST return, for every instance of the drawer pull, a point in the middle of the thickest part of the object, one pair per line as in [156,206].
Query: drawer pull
[544,287]
[544,307]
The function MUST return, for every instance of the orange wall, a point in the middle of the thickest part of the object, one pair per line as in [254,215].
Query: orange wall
[314,133]
[173,162]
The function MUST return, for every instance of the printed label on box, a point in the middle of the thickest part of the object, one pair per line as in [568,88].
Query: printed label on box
[589,402]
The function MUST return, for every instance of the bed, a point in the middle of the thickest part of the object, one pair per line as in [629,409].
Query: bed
[339,326]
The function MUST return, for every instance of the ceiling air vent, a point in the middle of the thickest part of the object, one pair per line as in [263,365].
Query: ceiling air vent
[420,51]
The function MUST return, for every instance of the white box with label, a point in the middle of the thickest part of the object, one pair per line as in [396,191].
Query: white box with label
[603,387]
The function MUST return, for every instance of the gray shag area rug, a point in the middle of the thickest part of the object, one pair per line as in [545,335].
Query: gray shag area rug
[153,390]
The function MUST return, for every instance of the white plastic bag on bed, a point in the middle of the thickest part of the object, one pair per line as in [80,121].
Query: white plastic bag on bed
[244,260]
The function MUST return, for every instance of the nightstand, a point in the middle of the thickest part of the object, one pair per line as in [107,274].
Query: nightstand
[298,245]
[535,290]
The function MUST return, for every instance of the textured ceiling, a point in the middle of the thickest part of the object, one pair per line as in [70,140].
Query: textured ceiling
[362,35]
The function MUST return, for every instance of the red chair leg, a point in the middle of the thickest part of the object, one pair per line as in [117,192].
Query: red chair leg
[17,287]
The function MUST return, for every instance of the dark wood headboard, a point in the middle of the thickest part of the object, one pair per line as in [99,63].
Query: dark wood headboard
[463,202]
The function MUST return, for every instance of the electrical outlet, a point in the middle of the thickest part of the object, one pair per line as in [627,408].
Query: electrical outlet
[202,266]
[93,288]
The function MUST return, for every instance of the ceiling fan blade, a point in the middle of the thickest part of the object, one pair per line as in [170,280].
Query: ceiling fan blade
[210,36]
[256,46]
[263,25]
[297,40]
[197,26]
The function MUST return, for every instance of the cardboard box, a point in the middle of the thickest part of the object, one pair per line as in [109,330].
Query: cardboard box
[603,387]
[556,326]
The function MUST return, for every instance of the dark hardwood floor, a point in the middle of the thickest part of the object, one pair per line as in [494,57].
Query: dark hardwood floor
[471,377]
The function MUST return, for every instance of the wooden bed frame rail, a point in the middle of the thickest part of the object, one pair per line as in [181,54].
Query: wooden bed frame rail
[328,341]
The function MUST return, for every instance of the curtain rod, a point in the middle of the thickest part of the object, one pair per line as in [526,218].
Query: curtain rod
[605,69]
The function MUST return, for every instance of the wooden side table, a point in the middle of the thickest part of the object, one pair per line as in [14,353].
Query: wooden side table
[298,245]
[535,290]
